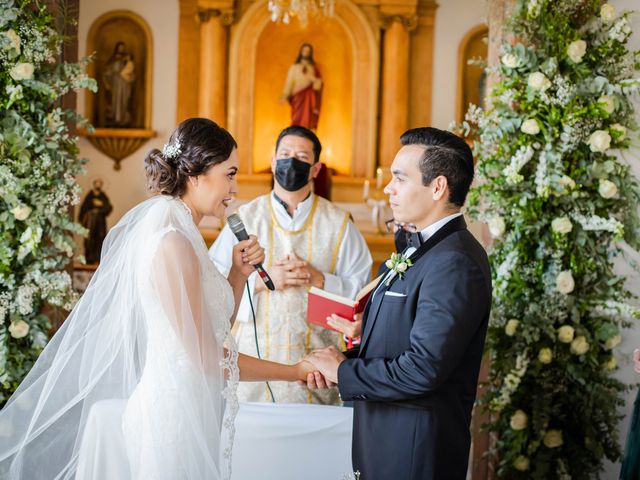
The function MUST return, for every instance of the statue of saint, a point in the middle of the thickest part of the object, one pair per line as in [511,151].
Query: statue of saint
[93,216]
[119,77]
[303,89]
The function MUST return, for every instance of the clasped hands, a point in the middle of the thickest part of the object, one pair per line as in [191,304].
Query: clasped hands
[292,271]
[321,367]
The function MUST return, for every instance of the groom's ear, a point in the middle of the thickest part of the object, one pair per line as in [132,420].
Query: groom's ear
[440,188]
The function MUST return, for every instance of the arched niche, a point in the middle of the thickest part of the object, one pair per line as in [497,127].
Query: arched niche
[255,85]
[471,78]
[120,110]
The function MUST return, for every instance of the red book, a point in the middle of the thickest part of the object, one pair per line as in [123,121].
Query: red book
[323,304]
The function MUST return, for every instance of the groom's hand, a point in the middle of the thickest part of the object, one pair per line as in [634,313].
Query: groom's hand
[327,362]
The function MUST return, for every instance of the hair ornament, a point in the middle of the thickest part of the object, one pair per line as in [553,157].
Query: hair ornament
[172,150]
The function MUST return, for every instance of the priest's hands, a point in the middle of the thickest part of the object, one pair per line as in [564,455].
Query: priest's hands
[246,254]
[292,271]
[327,362]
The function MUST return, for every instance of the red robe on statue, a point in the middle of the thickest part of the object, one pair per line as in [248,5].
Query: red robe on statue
[305,106]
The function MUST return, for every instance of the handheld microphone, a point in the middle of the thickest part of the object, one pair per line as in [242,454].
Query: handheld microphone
[237,227]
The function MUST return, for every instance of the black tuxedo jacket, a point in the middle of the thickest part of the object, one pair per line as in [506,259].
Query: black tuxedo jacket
[415,373]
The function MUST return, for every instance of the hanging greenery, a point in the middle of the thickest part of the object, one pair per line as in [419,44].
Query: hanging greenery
[38,165]
[560,200]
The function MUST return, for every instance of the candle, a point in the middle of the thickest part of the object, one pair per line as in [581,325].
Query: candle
[365,190]
[379,178]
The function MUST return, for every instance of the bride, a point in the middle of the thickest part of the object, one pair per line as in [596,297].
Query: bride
[152,331]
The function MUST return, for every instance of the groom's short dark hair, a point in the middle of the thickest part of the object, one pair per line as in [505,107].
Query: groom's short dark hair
[445,154]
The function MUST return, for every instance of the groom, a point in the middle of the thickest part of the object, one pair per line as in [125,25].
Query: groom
[413,378]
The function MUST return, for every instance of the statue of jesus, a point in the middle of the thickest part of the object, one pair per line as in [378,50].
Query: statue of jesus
[303,89]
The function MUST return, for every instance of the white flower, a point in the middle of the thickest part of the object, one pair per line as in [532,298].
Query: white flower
[518,420]
[530,126]
[553,439]
[612,342]
[599,141]
[621,129]
[497,226]
[576,50]
[607,189]
[19,329]
[561,225]
[545,355]
[510,60]
[21,212]
[511,327]
[14,40]
[566,181]
[607,13]
[402,267]
[22,71]
[521,463]
[610,364]
[538,81]
[565,333]
[607,104]
[564,282]
[579,346]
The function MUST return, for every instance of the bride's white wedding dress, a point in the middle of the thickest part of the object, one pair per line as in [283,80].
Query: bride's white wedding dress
[152,332]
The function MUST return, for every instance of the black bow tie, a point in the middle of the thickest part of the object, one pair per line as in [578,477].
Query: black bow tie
[405,239]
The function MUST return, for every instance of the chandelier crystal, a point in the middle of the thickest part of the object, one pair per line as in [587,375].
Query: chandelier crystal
[284,10]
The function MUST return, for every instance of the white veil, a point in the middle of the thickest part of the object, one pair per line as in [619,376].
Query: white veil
[147,294]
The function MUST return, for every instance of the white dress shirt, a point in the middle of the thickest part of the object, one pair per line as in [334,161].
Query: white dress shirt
[353,265]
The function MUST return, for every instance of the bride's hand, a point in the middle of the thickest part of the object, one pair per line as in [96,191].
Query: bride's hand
[246,254]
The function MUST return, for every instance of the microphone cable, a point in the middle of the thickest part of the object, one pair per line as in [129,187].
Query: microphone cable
[255,334]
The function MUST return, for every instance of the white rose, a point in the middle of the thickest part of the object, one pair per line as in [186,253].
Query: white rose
[14,40]
[497,226]
[510,60]
[579,346]
[22,71]
[561,225]
[518,420]
[521,463]
[599,141]
[565,334]
[621,129]
[607,104]
[607,13]
[566,181]
[607,189]
[511,327]
[19,329]
[538,81]
[545,355]
[553,439]
[564,282]
[612,342]
[530,127]
[21,212]
[610,364]
[576,50]
[401,267]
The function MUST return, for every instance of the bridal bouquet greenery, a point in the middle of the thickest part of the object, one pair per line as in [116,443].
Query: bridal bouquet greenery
[38,165]
[561,203]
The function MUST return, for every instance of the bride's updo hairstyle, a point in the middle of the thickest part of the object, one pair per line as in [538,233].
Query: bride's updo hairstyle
[194,146]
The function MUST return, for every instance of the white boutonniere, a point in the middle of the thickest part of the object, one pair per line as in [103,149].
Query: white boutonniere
[398,264]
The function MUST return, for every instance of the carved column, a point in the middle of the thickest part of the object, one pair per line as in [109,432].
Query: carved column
[395,84]
[188,56]
[212,85]
[421,66]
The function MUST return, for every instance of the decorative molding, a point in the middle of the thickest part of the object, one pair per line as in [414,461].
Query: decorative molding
[409,21]
[227,16]
[117,143]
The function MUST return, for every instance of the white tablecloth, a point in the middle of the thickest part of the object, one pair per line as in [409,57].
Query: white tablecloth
[272,442]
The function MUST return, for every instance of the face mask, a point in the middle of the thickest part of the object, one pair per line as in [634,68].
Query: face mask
[292,174]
